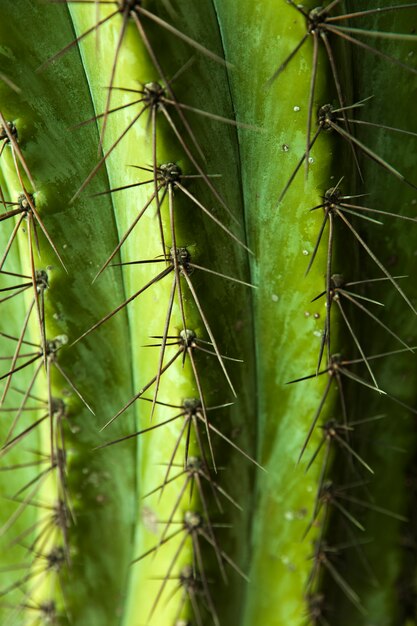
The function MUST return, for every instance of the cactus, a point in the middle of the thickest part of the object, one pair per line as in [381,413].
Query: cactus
[207,331]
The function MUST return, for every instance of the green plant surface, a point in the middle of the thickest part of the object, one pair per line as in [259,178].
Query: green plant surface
[283,236]
[98,486]
[165,146]
[388,444]
[209,247]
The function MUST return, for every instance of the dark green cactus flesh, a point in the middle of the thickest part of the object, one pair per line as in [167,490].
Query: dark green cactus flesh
[208,390]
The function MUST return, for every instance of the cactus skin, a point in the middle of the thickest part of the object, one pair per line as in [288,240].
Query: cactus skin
[210,248]
[268,417]
[389,444]
[285,320]
[98,486]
